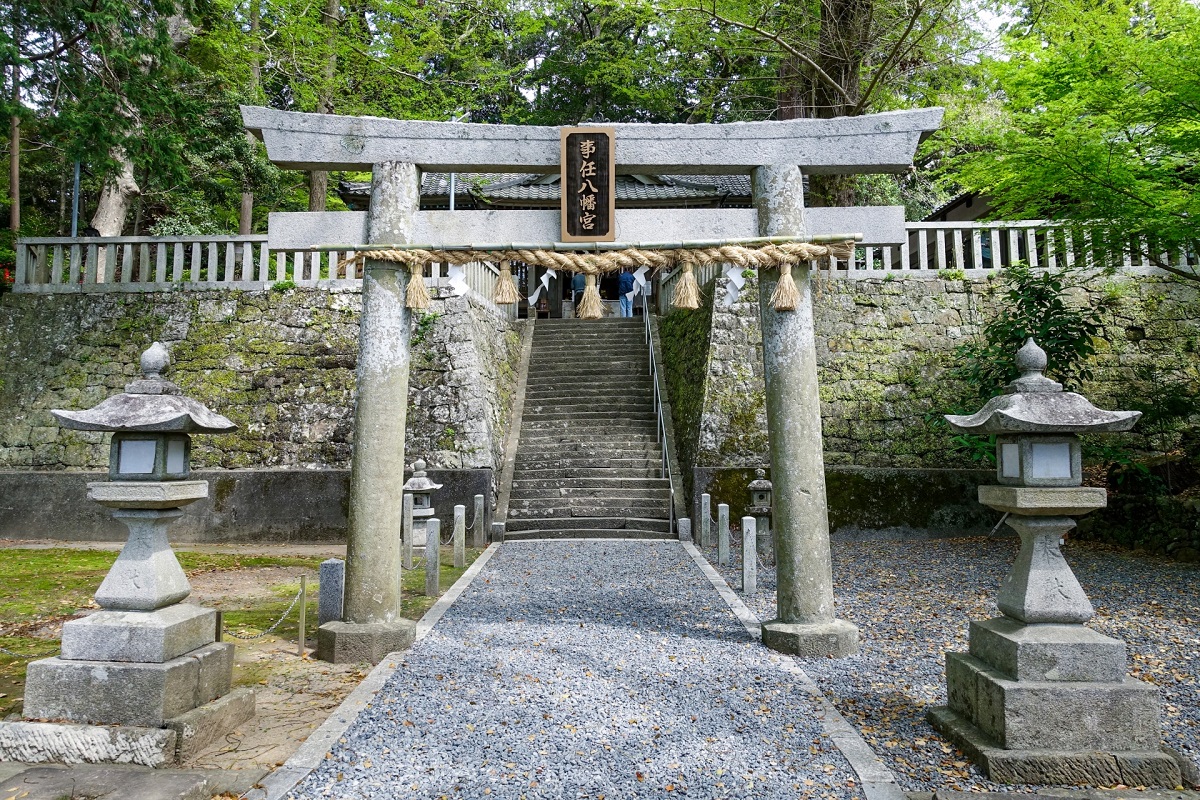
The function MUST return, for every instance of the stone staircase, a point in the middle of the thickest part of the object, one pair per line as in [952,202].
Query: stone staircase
[588,463]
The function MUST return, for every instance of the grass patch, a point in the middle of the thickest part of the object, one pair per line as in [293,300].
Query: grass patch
[39,587]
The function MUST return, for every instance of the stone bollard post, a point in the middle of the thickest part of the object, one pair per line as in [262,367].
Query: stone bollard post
[329,597]
[433,554]
[749,556]
[406,532]
[478,540]
[723,534]
[684,526]
[460,536]
[705,520]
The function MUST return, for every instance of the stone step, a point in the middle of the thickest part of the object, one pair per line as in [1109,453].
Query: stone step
[586,435]
[584,461]
[568,353]
[597,416]
[587,405]
[578,523]
[592,483]
[587,379]
[615,446]
[587,533]
[551,493]
[646,510]
[631,394]
[632,373]
[587,472]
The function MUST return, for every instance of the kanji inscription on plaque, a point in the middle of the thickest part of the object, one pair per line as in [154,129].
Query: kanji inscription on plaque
[588,182]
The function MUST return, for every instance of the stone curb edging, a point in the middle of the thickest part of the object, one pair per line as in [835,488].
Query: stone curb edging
[878,782]
[312,752]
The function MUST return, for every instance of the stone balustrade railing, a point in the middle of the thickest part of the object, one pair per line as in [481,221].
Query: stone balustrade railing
[934,248]
[163,263]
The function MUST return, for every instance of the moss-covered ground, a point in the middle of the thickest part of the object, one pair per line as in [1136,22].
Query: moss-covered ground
[39,589]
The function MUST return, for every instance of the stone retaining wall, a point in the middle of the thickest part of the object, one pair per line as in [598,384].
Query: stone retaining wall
[883,348]
[278,363]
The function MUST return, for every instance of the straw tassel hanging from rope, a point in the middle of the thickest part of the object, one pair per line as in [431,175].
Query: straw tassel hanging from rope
[590,306]
[786,294]
[505,292]
[687,293]
[417,296]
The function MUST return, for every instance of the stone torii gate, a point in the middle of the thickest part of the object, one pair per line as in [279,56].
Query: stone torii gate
[775,154]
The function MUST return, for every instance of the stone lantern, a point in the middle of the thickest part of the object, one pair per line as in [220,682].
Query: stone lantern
[760,509]
[421,488]
[145,660]
[1039,698]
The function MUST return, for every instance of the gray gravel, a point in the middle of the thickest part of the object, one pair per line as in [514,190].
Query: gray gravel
[587,669]
[912,601]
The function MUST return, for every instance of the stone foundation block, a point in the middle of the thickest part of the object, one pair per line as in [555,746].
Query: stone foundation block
[45,742]
[120,693]
[835,639]
[1109,716]
[148,637]
[202,726]
[1047,652]
[1150,767]
[348,642]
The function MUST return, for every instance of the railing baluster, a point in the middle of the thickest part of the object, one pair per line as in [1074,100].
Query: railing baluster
[976,247]
[1051,243]
[922,249]
[76,265]
[92,273]
[1031,246]
[144,263]
[20,278]
[941,249]
[126,269]
[959,262]
[904,254]
[264,264]
[160,263]
[56,265]
[230,262]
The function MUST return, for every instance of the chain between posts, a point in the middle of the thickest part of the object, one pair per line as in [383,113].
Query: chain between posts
[25,656]
[271,629]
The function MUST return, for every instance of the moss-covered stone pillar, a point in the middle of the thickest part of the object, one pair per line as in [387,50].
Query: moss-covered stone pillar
[371,625]
[806,625]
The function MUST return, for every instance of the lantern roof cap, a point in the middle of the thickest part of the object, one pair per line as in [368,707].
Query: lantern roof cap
[1036,404]
[760,481]
[419,482]
[150,404]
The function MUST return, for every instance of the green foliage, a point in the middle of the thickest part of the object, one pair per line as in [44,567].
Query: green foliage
[1094,116]
[424,324]
[282,286]
[1034,305]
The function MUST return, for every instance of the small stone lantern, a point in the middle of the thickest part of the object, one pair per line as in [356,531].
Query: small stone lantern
[421,488]
[1039,698]
[145,659]
[760,509]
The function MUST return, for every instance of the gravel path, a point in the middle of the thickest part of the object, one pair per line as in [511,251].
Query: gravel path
[912,601]
[587,670]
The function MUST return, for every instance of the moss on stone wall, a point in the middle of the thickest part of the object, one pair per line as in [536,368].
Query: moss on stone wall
[884,348]
[684,335]
[280,364]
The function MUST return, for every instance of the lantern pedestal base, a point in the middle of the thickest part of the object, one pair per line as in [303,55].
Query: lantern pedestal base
[1056,767]
[355,643]
[836,639]
[148,637]
[1051,704]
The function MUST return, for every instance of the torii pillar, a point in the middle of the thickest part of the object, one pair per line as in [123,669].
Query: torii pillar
[805,625]
[371,624]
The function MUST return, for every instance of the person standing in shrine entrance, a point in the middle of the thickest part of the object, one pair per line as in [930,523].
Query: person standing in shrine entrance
[625,292]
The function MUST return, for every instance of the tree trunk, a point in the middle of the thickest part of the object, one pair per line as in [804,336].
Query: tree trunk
[318,180]
[246,214]
[109,219]
[842,42]
[14,134]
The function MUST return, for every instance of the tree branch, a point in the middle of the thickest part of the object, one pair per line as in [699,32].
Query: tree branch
[777,39]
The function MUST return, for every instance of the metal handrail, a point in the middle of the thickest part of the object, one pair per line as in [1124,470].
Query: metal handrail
[660,427]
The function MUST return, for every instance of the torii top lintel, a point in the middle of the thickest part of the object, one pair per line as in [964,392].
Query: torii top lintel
[873,143]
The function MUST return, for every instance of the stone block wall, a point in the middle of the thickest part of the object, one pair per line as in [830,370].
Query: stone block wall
[280,364]
[884,346]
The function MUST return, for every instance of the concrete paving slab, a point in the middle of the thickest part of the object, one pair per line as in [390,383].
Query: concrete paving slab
[93,782]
